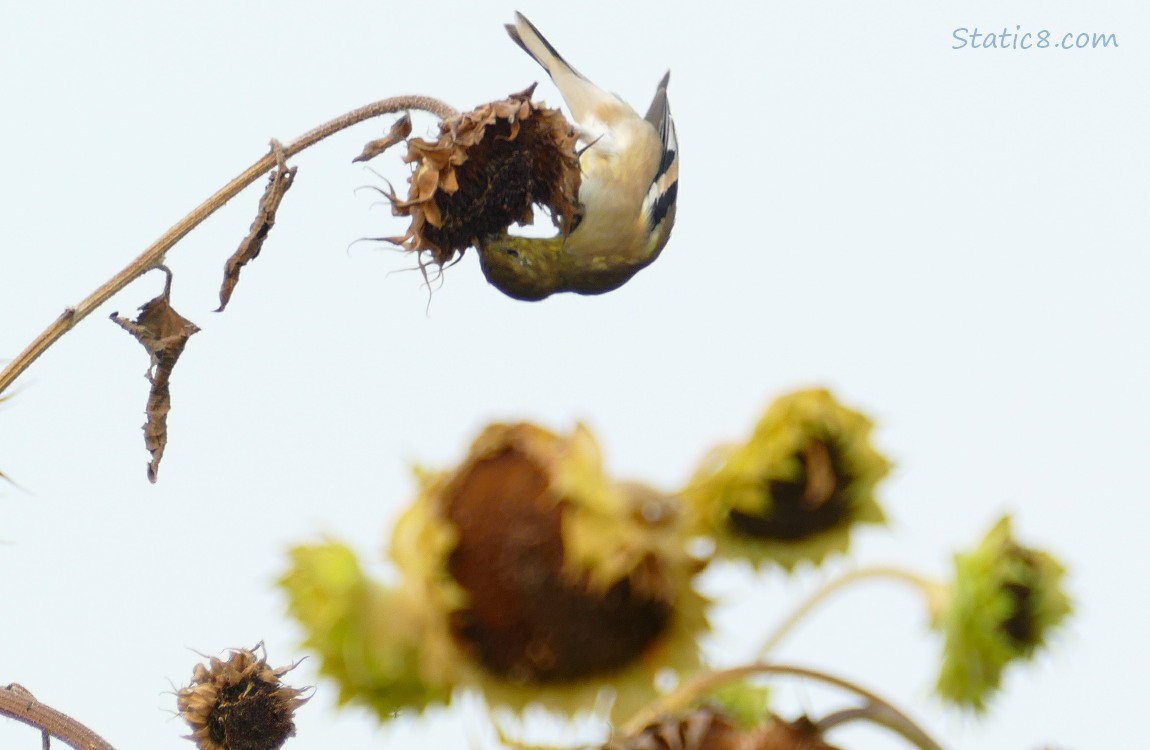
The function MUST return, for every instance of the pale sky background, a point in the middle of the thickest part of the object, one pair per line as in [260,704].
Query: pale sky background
[954,241]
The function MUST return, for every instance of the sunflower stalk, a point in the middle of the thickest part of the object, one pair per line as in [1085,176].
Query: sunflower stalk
[934,592]
[154,254]
[19,704]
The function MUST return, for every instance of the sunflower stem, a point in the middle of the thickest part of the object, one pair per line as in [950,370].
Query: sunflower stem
[153,255]
[19,704]
[933,591]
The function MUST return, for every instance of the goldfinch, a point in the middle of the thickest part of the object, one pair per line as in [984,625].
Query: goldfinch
[630,180]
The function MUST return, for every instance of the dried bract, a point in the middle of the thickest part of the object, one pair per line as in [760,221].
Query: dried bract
[399,131]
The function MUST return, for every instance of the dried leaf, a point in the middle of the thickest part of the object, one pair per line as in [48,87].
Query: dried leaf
[163,332]
[279,181]
[399,132]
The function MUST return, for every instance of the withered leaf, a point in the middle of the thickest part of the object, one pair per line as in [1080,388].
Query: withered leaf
[398,133]
[163,332]
[279,181]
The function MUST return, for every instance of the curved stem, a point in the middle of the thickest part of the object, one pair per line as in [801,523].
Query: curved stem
[930,589]
[844,716]
[880,715]
[687,693]
[153,255]
[19,704]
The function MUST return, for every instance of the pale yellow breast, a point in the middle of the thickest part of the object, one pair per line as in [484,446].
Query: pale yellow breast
[617,173]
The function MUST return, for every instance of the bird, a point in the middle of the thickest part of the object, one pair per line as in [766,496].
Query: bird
[630,183]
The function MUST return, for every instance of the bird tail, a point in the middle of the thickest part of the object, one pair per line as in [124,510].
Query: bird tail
[581,95]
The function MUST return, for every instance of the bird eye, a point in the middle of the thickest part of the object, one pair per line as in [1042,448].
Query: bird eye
[513,252]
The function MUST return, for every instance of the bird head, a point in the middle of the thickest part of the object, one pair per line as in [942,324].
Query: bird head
[526,268]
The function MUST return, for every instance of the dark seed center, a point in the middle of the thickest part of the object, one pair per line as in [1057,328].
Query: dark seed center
[1022,625]
[804,506]
[526,619]
[250,716]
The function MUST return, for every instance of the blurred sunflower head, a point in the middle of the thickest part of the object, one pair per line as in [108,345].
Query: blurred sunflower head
[708,728]
[366,636]
[543,580]
[486,171]
[794,491]
[1005,602]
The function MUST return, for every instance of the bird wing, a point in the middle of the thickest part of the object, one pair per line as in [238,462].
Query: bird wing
[659,205]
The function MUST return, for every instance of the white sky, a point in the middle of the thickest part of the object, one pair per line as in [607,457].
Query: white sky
[955,241]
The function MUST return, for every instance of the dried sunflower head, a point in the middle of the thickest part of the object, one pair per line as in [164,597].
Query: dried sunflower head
[1006,601]
[795,490]
[545,581]
[486,171]
[707,728]
[239,704]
